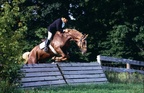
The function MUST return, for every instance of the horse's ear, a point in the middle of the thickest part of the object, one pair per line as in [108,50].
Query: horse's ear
[85,36]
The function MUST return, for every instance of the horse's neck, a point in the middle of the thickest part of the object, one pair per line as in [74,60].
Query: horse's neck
[67,36]
[62,38]
[75,36]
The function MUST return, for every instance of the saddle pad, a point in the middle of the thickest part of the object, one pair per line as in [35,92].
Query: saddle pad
[42,45]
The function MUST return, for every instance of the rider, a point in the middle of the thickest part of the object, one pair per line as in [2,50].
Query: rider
[57,25]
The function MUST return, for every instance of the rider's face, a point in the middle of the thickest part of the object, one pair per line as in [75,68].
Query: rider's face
[65,20]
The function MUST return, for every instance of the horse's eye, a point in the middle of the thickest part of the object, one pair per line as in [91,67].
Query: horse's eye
[85,43]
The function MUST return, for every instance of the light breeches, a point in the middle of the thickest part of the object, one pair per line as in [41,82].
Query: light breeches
[49,35]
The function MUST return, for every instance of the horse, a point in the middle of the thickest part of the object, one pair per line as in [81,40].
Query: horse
[58,47]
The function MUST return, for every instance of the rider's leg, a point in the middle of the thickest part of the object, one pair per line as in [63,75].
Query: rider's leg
[48,41]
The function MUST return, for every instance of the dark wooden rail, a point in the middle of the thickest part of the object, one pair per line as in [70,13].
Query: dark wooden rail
[127,62]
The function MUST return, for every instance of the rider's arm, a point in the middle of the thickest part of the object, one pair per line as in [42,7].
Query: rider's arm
[59,26]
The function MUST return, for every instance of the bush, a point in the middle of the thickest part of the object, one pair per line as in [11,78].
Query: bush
[12,31]
[124,77]
[9,78]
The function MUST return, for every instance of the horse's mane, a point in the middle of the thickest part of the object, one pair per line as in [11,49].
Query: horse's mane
[75,32]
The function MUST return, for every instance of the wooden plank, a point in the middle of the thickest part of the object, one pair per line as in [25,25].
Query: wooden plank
[89,83]
[49,78]
[42,83]
[39,70]
[93,64]
[39,65]
[86,80]
[80,68]
[39,74]
[84,76]
[120,60]
[115,69]
[82,72]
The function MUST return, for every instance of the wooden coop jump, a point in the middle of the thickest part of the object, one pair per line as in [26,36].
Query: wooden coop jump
[39,75]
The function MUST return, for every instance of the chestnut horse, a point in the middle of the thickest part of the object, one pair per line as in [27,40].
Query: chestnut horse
[58,47]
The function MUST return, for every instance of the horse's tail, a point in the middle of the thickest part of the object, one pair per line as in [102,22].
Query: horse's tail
[25,56]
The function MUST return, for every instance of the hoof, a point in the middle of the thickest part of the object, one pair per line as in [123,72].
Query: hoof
[54,63]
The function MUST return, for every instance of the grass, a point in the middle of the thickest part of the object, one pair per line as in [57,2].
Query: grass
[118,83]
[92,88]
[126,83]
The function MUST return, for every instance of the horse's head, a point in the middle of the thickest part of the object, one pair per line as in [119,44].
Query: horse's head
[80,39]
[82,43]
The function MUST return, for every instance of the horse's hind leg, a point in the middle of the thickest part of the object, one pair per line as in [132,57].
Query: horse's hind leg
[32,58]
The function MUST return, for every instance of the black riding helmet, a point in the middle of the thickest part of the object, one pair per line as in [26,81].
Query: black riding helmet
[66,16]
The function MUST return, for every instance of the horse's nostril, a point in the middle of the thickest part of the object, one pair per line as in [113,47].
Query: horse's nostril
[83,52]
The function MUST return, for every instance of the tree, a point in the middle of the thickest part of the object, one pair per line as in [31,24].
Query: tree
[104,21]
[40,14]
[12,27]
[114,27]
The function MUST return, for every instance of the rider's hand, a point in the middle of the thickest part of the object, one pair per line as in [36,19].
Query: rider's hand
[65,30]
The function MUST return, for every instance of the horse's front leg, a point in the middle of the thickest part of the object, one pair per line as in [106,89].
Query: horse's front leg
[59,59]
[62,57]
[56,58]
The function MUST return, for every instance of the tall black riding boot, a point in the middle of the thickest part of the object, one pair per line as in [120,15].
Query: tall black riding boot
[47,42]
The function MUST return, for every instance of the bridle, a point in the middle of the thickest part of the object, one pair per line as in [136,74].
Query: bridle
[82,39]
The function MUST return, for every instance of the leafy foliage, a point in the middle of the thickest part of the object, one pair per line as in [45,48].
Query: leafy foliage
[115,28]
[12,27]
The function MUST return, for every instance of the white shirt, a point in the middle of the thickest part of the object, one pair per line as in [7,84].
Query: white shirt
[63,24]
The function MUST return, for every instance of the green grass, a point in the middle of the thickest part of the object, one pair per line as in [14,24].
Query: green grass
[118,83]
[92,88]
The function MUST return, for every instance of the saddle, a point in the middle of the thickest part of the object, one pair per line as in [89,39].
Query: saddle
[42,46]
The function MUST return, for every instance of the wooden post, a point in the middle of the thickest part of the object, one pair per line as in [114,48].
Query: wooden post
[129,74]
[98,59]
[128,66]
